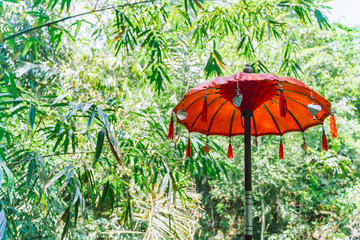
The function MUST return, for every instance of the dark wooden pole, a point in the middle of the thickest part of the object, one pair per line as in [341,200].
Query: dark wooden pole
[248,192]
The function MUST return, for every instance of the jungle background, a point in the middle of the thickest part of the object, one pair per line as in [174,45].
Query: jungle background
[87,89]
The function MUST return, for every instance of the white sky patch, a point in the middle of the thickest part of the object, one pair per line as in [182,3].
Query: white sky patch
[345,12]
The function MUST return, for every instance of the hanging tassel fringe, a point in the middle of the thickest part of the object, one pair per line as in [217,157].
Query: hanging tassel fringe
[204,109]
[188,149]
[171,128]
[283,105]
[333,128]
[230,151]
[325,145]
[281,150]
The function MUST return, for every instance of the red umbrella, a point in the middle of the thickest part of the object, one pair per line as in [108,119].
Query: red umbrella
[252,104]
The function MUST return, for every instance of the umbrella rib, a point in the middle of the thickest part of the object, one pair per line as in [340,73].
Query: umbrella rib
[232,119]
[201,112]
[292,115]
[277,126]
[307,96]
[199,99]
[212,120]
[254,125]
[278,95]
[203,90]
[301,105]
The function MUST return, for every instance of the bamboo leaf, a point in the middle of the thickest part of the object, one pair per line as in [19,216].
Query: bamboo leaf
[67,141]
[14,88]
[10,178]
[100,113]
[99,146]
[117,19]
[58,141]
[69,37]
[125,212]
[66,218]
[1,177]
[68,2]
[76,211]
[17,111]
[30,173]
[32,115]
[86,107]
[90,121]
[114,147]
[63,217]
[104,195]
[36,52]
[164,184]
[77,195]
[241,43]
[26,48]
[44,204]
[36,3]
[218,59]
[78,26]
[57,176]
[2,224]
[62,6]
[66,182]
[58,99]
[74,110]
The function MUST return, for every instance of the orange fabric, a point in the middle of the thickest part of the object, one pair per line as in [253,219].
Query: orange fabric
[261,94]
[254,93]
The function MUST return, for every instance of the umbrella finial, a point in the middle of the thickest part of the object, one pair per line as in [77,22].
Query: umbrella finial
[247,68]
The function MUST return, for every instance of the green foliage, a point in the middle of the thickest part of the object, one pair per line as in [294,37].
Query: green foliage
[83,135]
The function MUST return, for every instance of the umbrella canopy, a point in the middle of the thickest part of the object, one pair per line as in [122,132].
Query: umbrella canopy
[260,95]
[251,104]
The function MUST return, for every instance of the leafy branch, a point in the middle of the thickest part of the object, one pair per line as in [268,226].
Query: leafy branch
[73,16]
[72,153]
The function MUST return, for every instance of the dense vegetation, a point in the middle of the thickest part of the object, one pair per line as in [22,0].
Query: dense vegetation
[85,104]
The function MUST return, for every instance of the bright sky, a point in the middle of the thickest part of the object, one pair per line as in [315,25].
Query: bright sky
[345,11]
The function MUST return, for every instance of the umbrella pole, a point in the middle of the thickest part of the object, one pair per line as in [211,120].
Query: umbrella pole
[246,114]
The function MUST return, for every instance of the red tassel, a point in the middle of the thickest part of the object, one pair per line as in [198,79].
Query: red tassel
[333,128]
[171,128]
[283,105]
[281,151]
[230,151]
[325,145]
[188,149]
[204,110]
